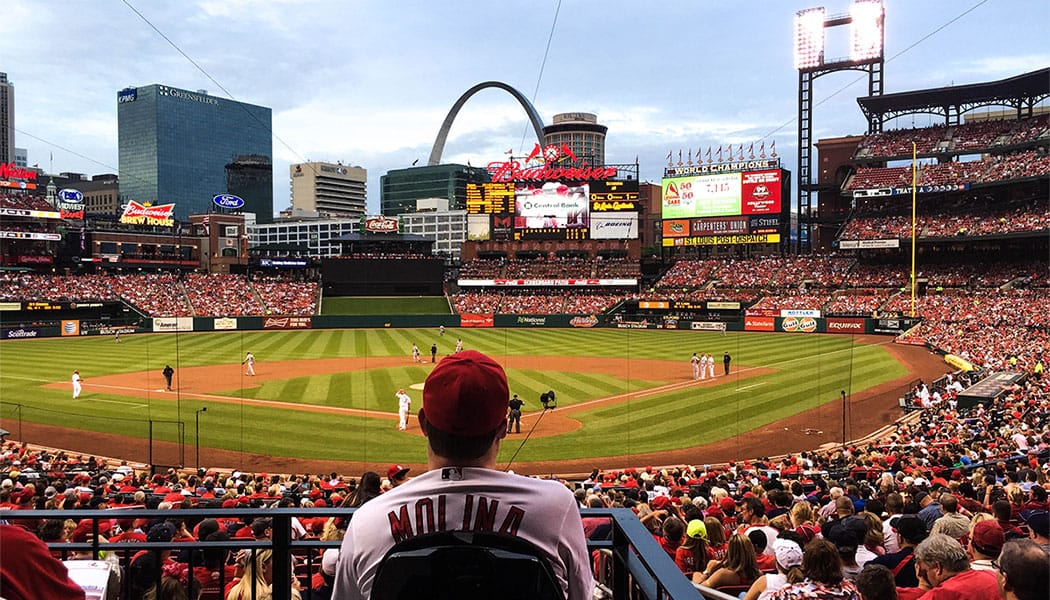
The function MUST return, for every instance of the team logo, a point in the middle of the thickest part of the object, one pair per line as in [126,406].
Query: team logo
[671,196]
[551,153]
[761,192]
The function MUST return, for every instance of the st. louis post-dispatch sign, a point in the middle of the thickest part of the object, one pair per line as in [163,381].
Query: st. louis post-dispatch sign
[718,240]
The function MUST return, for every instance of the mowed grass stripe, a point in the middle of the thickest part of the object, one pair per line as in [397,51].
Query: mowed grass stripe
[809,369]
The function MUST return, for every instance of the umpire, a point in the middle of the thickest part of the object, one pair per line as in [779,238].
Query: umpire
[514,419]
[168,373]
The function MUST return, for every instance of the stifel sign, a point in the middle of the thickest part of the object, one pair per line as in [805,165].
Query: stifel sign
[144,214]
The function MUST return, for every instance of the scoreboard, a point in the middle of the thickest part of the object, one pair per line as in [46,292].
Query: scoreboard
[552,210]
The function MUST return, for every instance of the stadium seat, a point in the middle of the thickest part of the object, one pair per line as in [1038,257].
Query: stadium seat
[465,565]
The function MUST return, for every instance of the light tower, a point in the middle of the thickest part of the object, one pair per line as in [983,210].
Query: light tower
[867,35]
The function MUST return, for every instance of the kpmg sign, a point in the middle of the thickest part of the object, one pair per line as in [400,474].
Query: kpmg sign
[127,95]
[228,201]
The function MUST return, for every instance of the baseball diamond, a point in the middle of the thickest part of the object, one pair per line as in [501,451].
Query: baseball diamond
[322,397]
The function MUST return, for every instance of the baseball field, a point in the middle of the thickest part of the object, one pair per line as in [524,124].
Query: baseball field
[325,399]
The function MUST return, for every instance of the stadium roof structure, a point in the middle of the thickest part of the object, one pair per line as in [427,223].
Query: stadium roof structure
[1022,92]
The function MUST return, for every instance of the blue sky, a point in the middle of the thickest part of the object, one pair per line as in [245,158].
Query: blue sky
[369,83]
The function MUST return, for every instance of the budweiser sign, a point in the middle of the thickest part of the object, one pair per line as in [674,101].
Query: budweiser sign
[381,225]
[509,171]
[10,171]
[588,321]
[145,214]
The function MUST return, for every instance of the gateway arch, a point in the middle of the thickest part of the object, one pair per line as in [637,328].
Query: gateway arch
[530,110]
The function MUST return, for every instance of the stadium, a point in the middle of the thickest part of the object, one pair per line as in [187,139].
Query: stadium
[888,339]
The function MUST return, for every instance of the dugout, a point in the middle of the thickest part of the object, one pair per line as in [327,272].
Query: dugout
[989,388]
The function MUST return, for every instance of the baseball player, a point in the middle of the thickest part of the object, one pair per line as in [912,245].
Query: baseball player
[695,361]
[168,373]
[464,416]
[441,330]
[76,384]
[703,367]
[433,353]
[249,360]
[404,404]
[459,345]
[711,365]
[415,353]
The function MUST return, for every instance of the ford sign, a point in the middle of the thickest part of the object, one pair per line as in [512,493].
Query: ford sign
[228,201]
[71,196]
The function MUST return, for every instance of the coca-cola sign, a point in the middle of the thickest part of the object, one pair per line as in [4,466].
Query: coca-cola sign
[381,225]
[145,214]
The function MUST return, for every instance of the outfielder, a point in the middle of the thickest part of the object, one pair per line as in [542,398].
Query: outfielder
[76,384]
[415,353]
[404,404]
[459,345]
[249,360]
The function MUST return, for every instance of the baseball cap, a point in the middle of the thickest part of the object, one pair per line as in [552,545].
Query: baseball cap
[50,492]
[788,553]
[1038,521]
[161,532]
[911,528]
[396,472]
[696,529]
[727,504]
[466,394]
[988,537]
[328,561]
[660,502]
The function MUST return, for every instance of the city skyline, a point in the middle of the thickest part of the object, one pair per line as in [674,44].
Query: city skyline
[360,84]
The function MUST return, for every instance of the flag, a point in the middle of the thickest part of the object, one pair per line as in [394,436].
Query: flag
[718,156]
[690,155]
[679,158]
[669,157]
[509,151]
[773,148]
[740,152]
[751,150]
[762,150]
[709,154]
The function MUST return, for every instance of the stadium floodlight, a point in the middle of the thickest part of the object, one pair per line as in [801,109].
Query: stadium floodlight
[866,30]
[809,38]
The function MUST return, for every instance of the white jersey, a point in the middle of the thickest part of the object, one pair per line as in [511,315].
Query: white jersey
[404,402]
[541,512]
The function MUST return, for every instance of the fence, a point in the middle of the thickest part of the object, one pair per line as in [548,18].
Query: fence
[631,565]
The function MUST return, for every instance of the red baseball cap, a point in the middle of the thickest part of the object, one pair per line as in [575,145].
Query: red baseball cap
[466,394]
[396,472]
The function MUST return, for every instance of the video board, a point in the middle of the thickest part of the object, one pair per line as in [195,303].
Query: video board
[552,210]
[728,194]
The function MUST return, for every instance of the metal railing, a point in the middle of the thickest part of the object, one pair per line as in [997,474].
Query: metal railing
[630,564]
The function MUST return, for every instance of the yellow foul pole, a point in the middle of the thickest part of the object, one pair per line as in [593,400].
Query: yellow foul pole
[914,184]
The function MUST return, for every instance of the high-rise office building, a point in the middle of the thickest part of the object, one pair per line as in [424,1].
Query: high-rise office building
[330,190]
[251,179]
[7,120]
[174,145]
[401,188]
[581,133]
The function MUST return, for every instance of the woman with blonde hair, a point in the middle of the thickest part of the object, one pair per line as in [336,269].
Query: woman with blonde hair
[257,581]
[716,540]
[738,568]
[693,551]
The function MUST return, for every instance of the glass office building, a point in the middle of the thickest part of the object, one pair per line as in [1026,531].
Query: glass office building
[401,188]
[174,146]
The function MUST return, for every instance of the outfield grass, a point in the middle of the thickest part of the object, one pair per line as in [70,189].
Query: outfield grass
[356,305]
[806,371]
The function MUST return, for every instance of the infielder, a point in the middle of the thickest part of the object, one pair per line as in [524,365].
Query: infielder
[695,361]
[404,404]
[459,345]
[703,367]
[711,366]
[249,360]
[76,384]
[415,353]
